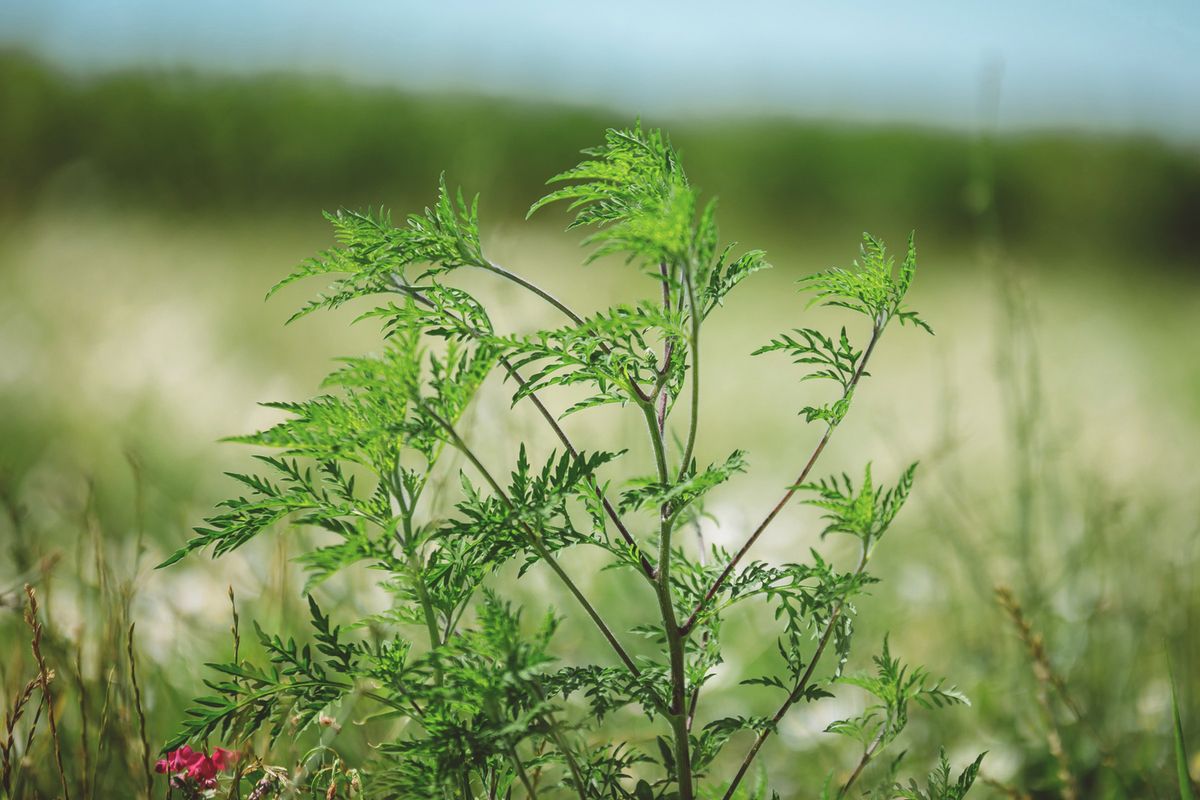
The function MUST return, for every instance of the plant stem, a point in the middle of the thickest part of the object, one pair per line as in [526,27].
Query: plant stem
[792,489]
[44,676]
[867,755]
[492,266]
[647,567]
[141,712]
[556,734]
[535,541]
[660,457]
[801,685]
[524,776]
[664,367]
[404,511]
[435,639]
[678,709]
[677,712]
[694,343]
[695,699]
[572,763]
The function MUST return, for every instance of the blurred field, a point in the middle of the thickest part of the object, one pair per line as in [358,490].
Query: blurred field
[1056,413]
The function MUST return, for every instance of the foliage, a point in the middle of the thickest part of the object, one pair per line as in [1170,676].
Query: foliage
[893,687]
[940,785]
[458,694]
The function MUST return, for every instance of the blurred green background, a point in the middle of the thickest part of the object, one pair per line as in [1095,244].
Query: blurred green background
[146,208]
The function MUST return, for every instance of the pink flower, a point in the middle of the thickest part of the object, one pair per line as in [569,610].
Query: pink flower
[199,767]
[178,760]
[223,759]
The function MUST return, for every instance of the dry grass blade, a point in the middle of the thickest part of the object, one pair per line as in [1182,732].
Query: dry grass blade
[141,713]
[84,747]
[12,716]
[1035,647]
[44,677]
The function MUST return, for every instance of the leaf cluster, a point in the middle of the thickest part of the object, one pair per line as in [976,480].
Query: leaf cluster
[894,687]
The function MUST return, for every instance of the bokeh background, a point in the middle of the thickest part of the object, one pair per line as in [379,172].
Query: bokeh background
[162,164]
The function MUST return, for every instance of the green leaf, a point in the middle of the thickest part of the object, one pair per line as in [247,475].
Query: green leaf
[866,513]
[940,785]
[1181,754]
[678,495]
[372,252]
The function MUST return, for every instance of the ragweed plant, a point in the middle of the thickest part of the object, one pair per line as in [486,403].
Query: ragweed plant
[470,698]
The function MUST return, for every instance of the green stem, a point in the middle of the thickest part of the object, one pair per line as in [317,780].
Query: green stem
[492,266]
[524,776]
[647,567]
[678,709]
[535,541]
[792,489]
[664,367]
[572,764]
[801,685]
[694,342]
[867,755]
[677,712]
[660,453]
[556,734]
[416,576]
[435,639]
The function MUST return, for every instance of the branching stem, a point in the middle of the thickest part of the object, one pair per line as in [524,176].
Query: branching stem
[801,685]
[647,568]
[535,541]
[716,585]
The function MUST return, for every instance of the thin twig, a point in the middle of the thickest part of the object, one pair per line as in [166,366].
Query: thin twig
[664,368]
[694,341]
[556,733]
[537,544]
[800,687]
[647,568]
[792,489]
[867,755]
[492,266]
[695,701]
[530,791]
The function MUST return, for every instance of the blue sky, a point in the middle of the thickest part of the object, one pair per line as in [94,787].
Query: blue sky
[1100,65]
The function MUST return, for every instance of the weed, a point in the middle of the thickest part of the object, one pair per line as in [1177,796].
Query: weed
[480,704]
